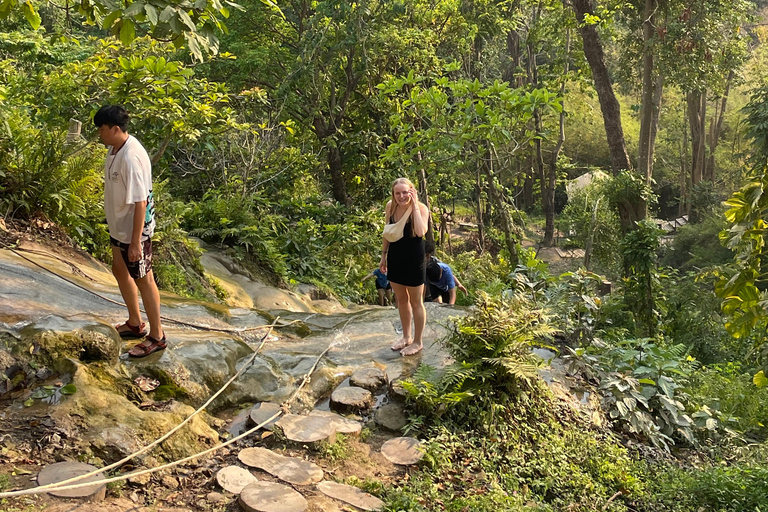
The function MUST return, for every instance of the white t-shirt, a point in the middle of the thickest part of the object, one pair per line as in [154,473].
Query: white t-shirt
[128,180]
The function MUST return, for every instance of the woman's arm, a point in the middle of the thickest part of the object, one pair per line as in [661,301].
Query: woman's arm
[420,215]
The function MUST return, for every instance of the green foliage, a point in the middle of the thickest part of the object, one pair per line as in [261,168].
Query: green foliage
[641,279]
[641,381]
[739,487]
[593,222]
[729,389]
[696,246]
[578,308]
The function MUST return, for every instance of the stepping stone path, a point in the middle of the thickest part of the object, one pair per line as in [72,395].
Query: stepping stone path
[234,478]
[351,495]
[372,379]
[402,450]
[351,399]
[61,471]
[261,413]
[391,417]
[340,423]
[271,497]
[288,469]
[307,429]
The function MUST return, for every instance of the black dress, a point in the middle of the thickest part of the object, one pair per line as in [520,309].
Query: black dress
[405,258]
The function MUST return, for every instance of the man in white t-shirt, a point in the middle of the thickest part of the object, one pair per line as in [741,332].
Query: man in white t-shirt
[130,211]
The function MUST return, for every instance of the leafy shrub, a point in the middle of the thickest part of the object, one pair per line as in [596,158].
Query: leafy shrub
[641,384]
[696,246]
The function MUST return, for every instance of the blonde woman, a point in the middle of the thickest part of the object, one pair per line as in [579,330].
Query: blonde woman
[403,262]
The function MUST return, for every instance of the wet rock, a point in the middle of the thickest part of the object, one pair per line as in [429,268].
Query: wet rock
[391,417]
[261,413]
[402,450]
[372,379]
[233,479]
[396,390]
[288,469]
[351,495]
[84,340]
[61,471]
[351,399]
[271,497]
[325,380]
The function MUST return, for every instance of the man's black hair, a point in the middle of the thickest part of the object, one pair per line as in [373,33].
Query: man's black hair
[434,271]
[429,247]
[112,115]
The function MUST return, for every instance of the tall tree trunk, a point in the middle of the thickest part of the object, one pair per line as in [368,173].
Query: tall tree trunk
[609,105]
[479,212]
[548,188]
[651,102]
[697,112]
[501,209]
[338,185]
[716,128]
[424,198]
[528,184]
[684,176]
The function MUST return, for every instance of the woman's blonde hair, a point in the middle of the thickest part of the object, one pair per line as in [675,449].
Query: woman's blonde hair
[401,181]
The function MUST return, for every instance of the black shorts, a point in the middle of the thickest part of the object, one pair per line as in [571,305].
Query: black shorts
[379,287]
[137,269]
[435,292]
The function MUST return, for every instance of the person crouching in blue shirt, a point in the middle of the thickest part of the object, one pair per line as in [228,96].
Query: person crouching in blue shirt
[442,282]
[382,286]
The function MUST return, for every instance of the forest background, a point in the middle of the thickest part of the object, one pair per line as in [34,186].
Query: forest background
[275,130]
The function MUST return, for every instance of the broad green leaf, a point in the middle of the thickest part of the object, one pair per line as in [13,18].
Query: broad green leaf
[134,9]
[33,17]
[760,380]
[151,13]
[69,389]
[127,32]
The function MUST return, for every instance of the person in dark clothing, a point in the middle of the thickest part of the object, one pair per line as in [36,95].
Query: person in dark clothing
[383,287]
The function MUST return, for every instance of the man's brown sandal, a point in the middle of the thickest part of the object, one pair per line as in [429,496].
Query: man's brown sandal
[134,332]
[142,350]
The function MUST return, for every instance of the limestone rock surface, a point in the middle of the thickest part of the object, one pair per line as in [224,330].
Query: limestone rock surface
[61,471]
[372,379]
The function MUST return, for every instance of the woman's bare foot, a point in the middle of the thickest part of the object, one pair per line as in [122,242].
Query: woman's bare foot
[412,348]
[401,343]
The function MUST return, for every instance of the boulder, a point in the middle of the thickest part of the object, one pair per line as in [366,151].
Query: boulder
[261,413]
[391,417]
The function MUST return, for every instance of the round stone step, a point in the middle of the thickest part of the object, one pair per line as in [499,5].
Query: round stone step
[391,417]
[402,450]
[234,478]
[351,495]
[307,429]
[261,413]
[372,379]
[271,497]
[340,423]
[61,471]
[351,399]
[288,469]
